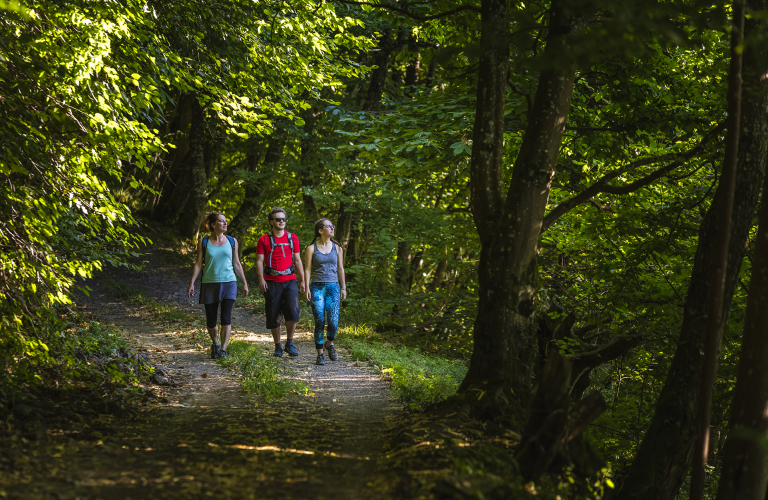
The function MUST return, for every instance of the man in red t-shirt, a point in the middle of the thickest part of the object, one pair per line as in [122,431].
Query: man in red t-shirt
[277,264]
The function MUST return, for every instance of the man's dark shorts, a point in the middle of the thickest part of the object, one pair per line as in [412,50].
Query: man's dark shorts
[281,301]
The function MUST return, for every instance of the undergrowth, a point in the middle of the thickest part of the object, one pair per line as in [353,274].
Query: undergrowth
[417,378]
[262,374]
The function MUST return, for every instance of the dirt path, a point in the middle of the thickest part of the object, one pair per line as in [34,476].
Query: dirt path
[210,438]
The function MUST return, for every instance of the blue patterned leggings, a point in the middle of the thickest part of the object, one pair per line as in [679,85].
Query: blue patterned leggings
[326,299]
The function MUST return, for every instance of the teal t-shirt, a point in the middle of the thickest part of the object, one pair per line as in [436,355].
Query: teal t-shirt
[218,264]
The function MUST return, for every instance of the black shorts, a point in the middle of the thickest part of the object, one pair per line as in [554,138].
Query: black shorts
[281,301]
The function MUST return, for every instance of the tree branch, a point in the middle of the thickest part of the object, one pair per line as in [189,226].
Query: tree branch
[602,186]
[405,11]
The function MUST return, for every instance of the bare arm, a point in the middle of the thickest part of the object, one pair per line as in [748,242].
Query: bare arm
[308,267]
[300,272]
[239,268]
[341,273]
[196,269]
[260,271]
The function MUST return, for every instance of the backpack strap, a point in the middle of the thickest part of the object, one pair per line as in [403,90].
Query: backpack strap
[268,269]
[271,247]
[205,247]
[231,242]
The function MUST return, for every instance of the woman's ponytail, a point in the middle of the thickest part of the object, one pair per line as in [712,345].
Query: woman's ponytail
[211,218]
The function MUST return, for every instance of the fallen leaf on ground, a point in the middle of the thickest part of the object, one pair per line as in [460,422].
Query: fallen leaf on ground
[177,346]
[204,375]
[356,364]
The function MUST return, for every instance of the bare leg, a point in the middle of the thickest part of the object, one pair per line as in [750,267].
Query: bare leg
[290,328]
[276,334]
[226,331]
[213,333]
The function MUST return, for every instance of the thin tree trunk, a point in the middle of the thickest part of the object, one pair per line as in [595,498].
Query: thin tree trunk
[197,200]
[372,102]
[745,465]
[310,164]
[252,204]
[665,454]
[439,275]
[187,107]
[187,179]
[505,346]
[715,312]
[403,265]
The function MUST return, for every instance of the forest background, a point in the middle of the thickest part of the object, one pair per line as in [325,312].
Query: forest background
[123,118]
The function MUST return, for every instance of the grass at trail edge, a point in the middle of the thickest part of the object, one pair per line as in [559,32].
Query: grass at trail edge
[417,378]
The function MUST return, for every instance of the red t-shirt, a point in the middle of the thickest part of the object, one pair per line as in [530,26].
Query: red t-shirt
[279,262]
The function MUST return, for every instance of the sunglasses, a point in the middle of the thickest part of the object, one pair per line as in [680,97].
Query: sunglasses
[279,219]
[330,226]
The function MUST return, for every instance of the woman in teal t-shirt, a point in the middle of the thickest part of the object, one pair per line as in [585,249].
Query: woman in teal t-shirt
[217,256]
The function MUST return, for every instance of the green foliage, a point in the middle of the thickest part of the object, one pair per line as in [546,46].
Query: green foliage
[416,378]
[262,374]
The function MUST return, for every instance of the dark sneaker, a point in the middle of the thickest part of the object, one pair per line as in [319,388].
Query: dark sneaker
[320,360]
[332,355]
[291,349]
[215,351]
[278,351]
[223,353]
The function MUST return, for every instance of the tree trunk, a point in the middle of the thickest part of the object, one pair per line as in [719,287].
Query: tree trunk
[439,275]
[372,102]
[191,172]
[310,163]
[403,265]
[745,470]
[664,456]
[252,204]
[715,314]
[197,200]
[505,346]
[186,108]
[412,69]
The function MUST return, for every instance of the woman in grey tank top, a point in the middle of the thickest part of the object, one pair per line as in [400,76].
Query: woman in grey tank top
[324,263]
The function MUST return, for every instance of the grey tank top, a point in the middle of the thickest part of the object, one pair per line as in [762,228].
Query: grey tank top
[325,266]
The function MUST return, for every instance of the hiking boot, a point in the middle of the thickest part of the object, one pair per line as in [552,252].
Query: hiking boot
[332,355]
[320,360]
[215,351]
[222,353]
[291,349]
[278,351]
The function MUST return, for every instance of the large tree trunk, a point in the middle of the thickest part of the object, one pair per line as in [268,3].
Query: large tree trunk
[745,467]
[505,346]
[665,454]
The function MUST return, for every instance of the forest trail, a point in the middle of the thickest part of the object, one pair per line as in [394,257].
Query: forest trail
[208,438]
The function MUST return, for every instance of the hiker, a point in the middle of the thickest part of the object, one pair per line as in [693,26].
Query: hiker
[325,264]
[277,264]
[217,256]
